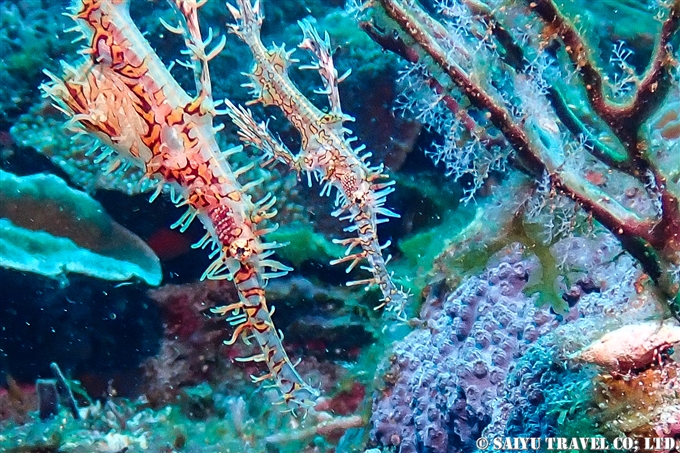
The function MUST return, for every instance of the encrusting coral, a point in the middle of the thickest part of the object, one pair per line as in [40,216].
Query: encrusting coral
[446,380]
[558,377]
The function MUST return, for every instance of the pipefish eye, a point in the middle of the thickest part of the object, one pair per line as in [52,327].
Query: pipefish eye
[361,196]
[240,249]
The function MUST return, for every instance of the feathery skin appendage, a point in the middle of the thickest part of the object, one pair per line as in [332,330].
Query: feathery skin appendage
[124,95]
[252,315]
[327,151]
[257,135]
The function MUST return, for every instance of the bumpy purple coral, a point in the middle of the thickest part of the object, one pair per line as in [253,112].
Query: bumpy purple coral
[446,381]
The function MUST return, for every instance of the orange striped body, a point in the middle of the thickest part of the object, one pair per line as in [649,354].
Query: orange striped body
[123,94]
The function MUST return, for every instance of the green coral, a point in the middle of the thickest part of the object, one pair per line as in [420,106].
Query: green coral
[51,229]
[304,244]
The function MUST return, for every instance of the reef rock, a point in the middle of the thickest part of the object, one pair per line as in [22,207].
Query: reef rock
[632,346]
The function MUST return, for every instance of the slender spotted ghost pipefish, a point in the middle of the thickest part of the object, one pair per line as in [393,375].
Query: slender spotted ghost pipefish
[326,152]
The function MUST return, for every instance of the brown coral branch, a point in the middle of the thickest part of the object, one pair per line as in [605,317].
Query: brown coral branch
[424,34]
[514,56]
[643,238]
[396,45]
[657,80]
[623,119]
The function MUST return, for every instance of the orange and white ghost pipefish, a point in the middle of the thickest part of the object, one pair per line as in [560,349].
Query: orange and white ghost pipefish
[122,93]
